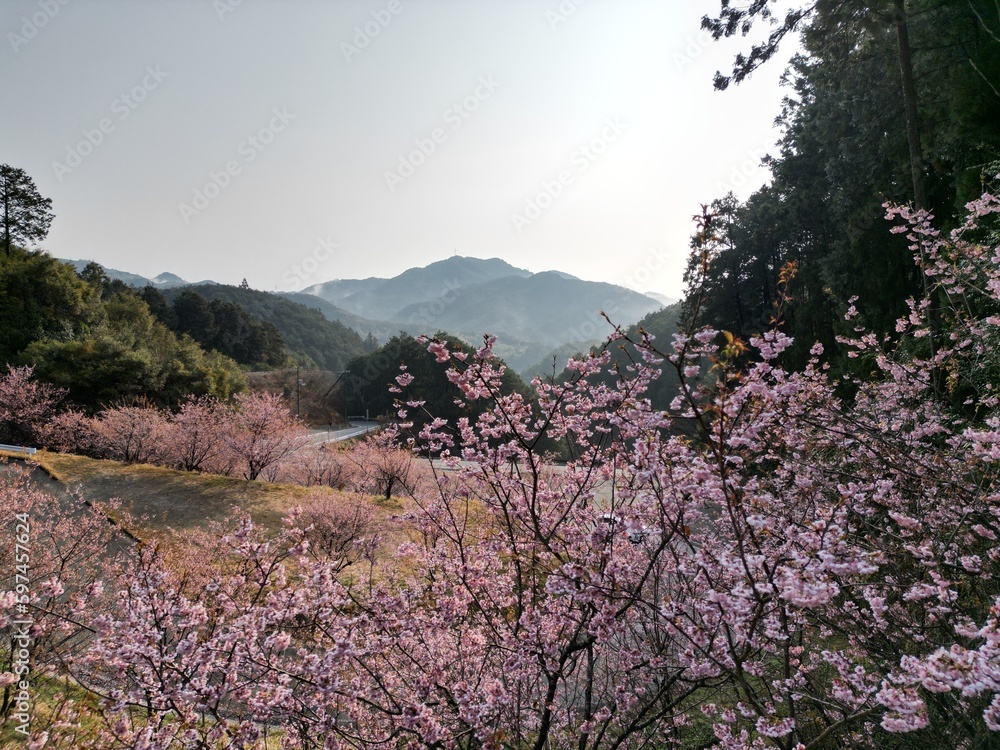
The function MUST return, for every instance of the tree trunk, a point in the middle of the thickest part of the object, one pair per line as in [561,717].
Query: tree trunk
[910,105]
[909,91]
[6,217]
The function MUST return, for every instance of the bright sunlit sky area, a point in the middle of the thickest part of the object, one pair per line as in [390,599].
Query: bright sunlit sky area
[291,142]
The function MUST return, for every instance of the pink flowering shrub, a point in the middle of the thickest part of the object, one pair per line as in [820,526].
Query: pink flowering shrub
[130,433]
[381,466]
[193,437]
[327,465]
[341,528]
[260,434]
[69,431]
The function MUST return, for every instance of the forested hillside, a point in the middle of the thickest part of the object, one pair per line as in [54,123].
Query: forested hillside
[366,386]
[550,308]
[98,339]
[311,339]
[855,133]
[371,329]
[220,325]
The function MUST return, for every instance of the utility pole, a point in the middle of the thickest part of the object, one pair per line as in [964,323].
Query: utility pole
[298,405]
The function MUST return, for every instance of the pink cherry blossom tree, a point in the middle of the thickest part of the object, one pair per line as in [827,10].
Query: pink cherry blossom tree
[327,465]
[194,437]
[25,405]
[131,433]
[52,577]
[261,434]
[382,466]
[180,660]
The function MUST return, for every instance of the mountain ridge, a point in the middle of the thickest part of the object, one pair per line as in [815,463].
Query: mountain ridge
[419,296]
[165,280]
[533,308]
[532,314]
[381,299]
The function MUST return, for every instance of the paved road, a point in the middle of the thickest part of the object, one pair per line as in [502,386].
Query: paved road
[320,436]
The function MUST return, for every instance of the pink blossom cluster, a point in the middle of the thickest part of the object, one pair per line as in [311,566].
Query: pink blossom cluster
[254,436]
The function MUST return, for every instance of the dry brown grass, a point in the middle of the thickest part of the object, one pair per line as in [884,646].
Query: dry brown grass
[180,500]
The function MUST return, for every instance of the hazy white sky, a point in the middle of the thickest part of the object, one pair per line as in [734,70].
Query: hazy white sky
[296,141]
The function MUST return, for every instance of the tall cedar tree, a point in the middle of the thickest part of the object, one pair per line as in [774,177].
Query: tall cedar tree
[26,215]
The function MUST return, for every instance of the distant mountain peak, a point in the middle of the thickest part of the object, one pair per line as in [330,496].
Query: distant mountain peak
[563,274]
[470,260]
[382,299]
[165,280]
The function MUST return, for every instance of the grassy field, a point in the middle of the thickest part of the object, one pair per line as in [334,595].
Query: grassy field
[178,499]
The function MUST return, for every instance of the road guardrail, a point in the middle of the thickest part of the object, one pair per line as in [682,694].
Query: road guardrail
[18,449]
